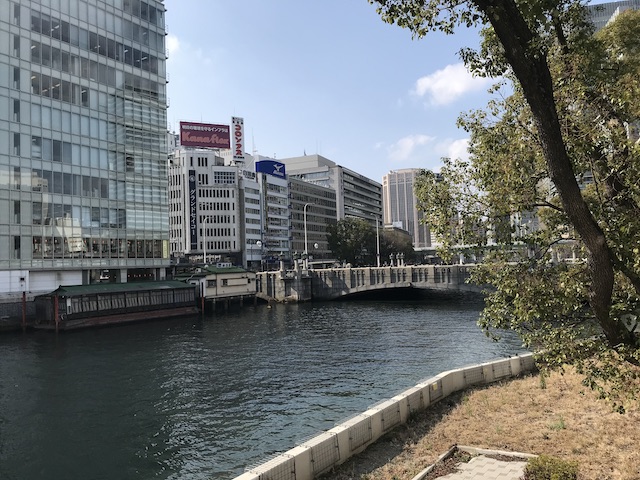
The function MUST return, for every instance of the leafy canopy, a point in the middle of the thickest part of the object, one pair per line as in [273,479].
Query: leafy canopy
[352,240]
[550,198]
[355,241]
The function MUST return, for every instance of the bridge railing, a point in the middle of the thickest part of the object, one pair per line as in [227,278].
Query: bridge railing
[302,285]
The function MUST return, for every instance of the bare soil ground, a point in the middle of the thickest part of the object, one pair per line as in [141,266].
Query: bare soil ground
[564,419]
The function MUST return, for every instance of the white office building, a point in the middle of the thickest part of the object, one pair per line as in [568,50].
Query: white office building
[276,223]
[204,207]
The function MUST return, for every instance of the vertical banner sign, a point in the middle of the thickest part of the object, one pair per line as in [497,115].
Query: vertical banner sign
[193,216]
[237,137]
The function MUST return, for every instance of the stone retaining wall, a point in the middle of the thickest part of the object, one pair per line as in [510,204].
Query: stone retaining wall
[333,447]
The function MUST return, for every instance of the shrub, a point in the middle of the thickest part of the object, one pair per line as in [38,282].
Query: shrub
[546,467]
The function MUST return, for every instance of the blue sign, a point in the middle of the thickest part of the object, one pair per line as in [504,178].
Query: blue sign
[271,167]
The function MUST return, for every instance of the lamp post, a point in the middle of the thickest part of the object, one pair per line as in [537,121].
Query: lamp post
[306,250]
[259,245]
[377,244]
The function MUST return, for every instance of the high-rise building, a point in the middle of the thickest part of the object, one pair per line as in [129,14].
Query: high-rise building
[313,209]
[356,195]
[271,176]
[204,207]
[400,206]
[83,149]
[603,13]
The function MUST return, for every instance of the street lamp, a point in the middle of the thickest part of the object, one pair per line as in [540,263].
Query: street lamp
[306,250]
[259,245]
[377,243]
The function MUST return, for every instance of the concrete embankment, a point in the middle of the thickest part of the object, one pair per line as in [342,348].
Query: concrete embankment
[333,447]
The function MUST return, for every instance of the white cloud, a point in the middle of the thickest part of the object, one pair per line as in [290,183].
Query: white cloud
[173,45]
[184,53]
[406,146]
[454,149]
[446,85]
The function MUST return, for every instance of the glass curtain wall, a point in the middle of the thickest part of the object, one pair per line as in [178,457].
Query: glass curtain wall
[83,156]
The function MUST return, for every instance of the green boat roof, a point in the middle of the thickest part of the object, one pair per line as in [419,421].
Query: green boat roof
[95,288]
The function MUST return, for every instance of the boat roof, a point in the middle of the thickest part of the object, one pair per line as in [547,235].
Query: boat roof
[95,288]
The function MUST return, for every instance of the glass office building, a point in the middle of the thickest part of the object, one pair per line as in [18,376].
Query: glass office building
[83,148]
[603,13]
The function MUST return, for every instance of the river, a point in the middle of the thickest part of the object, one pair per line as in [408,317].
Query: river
[205,398]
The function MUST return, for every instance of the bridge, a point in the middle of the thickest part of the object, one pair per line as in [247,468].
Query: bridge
[301,285]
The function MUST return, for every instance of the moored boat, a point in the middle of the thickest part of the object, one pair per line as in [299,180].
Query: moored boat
[82,306]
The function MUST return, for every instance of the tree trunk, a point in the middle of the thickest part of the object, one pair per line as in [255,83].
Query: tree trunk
[529,65]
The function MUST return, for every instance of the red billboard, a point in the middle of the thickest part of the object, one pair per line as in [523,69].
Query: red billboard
[204,135]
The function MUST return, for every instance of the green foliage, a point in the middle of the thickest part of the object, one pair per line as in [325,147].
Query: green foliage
[395,242]
[546,467]
[561,265]
[353,240]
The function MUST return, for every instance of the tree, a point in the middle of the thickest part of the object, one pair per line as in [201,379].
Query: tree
[571,115]
[393,242]
[353,240]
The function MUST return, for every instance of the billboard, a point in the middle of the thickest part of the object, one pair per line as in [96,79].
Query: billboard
[206,135]
[237,124]
[271,167]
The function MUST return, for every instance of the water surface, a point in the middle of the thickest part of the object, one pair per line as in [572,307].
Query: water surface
[204,399]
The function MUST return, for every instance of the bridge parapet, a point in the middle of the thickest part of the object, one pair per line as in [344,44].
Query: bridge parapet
[327,284]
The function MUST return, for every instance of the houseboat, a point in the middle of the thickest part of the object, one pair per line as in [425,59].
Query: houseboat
[81,306]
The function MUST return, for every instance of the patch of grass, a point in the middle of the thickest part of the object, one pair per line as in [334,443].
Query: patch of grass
[563,420]
[546,467]
[558,425]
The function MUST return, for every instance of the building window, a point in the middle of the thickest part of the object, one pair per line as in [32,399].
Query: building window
[16,78]
[16,144]
[16,247]
[16,14]
[16,212]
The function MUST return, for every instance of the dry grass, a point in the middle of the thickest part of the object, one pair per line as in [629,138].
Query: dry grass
[563,420]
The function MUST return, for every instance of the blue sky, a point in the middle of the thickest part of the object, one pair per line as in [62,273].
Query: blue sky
[326,77]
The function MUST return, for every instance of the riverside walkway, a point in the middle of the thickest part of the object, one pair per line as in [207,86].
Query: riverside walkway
[300,284]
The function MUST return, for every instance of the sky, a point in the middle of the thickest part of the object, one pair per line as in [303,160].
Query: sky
[321,76]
